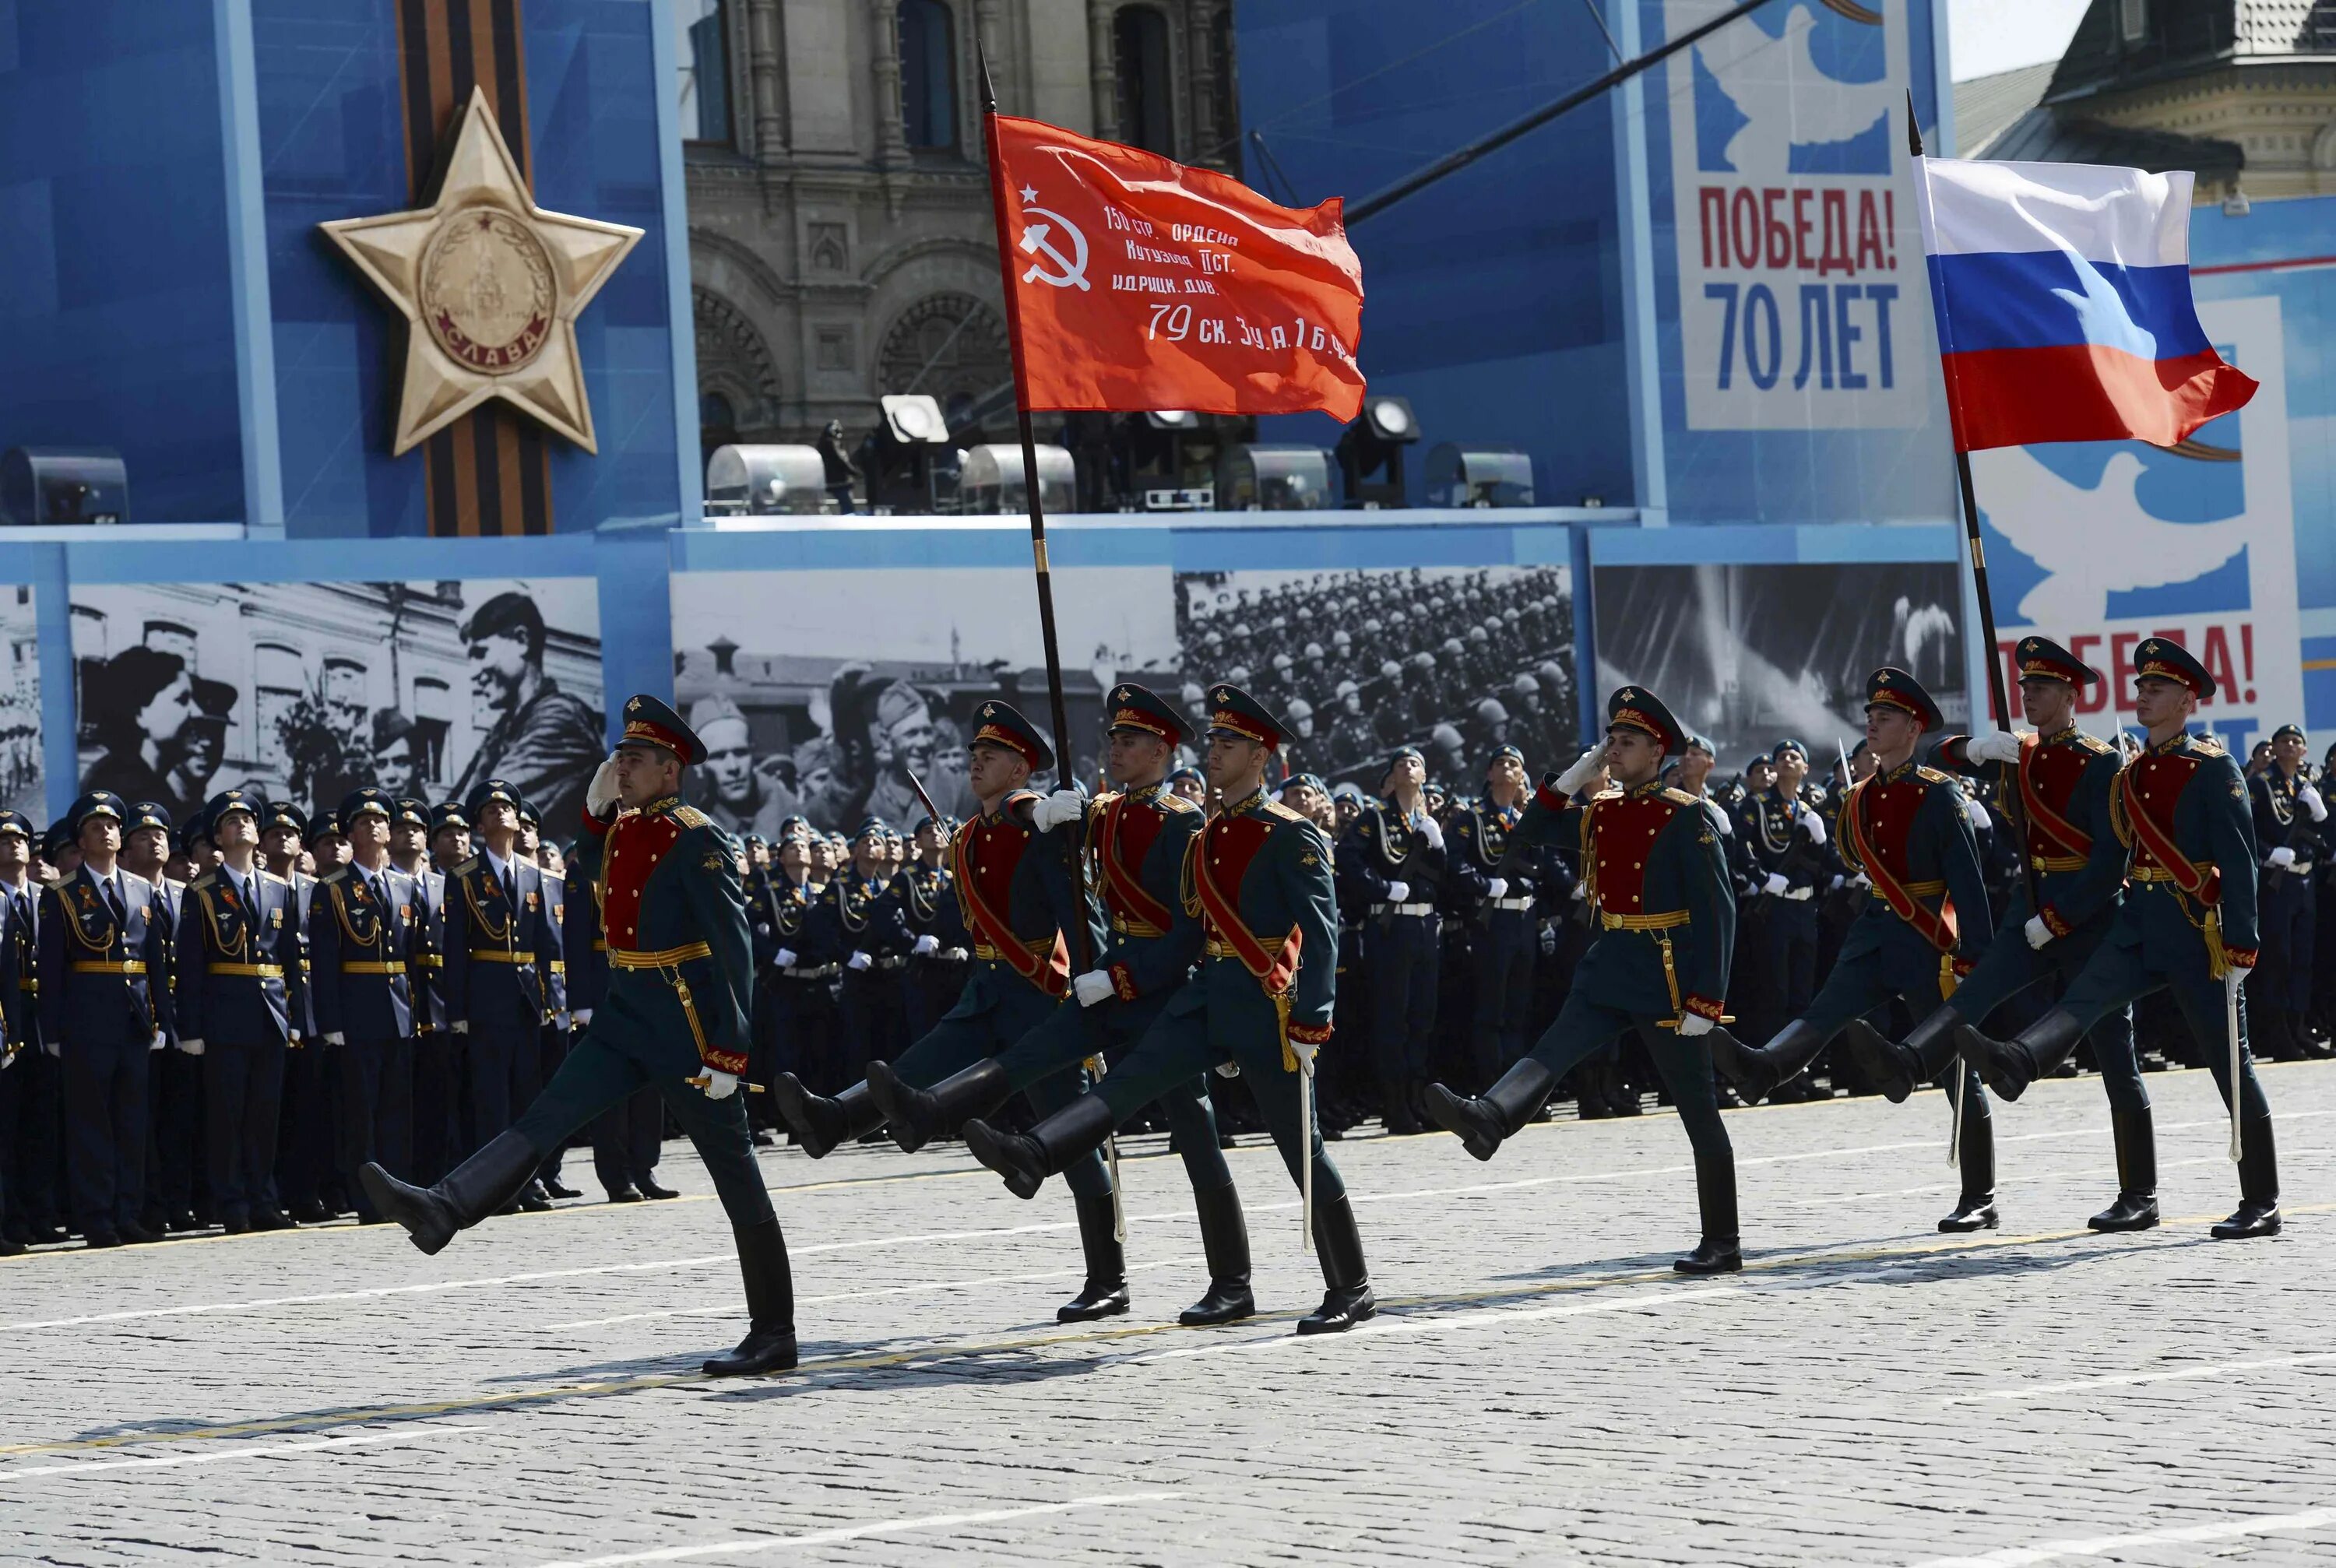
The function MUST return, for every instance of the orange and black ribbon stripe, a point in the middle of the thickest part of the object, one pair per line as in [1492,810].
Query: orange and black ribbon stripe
[489,473]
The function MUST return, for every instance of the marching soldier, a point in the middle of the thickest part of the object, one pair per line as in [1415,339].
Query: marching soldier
[104,1007]
[2187,925]
[499,944]
[1019,903]
[2060,780]
[2287,811]
[1655,875]
[1907,830]
[627,1138]
[1258,877]
[363,934]
[238,1000]
[1394,859]
[1508,929]
[1137,841]
[680,977]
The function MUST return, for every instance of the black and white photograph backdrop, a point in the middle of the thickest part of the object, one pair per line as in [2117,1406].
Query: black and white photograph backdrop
[1455,661]
[21,772]
[307,690]
[1748,655]
[826,693]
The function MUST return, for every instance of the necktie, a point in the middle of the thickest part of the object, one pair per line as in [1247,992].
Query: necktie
[113,898]
[510,888]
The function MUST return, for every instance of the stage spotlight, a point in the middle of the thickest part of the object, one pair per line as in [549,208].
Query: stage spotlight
[1370,452]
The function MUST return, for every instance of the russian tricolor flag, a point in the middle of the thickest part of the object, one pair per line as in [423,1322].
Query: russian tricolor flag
[2063,298]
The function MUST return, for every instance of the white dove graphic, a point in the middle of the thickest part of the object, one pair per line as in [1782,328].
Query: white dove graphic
[1775,85]
[2094,542]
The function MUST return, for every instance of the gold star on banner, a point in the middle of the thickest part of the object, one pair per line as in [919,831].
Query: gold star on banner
[490,286]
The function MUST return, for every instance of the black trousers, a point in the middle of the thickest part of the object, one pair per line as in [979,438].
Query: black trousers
[875,1017]
[305,1139]
[174,1121]
[105,1133]
[32,1139]
[437,1104]
[375,1109]
[1501,974]
[502,1065]
[627,1140]
[243,1092]
[597,1076]
[1405,955]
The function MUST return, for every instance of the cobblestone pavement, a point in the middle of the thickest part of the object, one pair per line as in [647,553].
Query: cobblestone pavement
[1540,1388]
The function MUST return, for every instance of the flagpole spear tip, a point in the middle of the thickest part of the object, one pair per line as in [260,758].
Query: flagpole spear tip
[1914,125]
[989,94]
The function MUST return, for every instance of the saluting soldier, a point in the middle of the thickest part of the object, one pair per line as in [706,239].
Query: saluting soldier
[1394,859]
[627,1138]
[238,1002]
[499,944]
[1655,877]
[1134,841]
[1501,889]
[2187,926]
[104,1005]
[363,935]
[2288,812]
[680,980]
[1907,830]
[2059,779]
[1258,877]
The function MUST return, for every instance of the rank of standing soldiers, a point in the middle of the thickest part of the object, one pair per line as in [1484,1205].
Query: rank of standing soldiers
[214,1023]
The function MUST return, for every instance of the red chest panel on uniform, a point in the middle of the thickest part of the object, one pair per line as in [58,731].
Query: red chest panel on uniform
[1229,843]
[991,850]
[2153,784]
[637,846]
[1888,813]
[1135,829]
[1622,833]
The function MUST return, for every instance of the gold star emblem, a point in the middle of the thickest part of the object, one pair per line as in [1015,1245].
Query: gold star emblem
[489,286]
[634,706]
[1224,696]
[988,710]
[2149,648]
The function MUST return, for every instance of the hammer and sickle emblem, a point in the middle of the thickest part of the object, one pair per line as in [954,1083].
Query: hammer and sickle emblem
[1037,240]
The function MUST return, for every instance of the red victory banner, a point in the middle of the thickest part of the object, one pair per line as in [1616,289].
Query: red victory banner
[1136,283]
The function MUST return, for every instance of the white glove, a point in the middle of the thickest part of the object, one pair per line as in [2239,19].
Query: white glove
[160,1040]
[1399,892]
[785,958]
[857,962]
[1585,768]
[1092,987]
[1838,881]
[926,945]
[582,1016]
[1429,829]
[1815,826]
[2312,803]
[461,1025]
[193,1047]
[601,793]
[1305,1055]
[2038,933]
[719,1085]
[1581,892]
[1227,1069]
[2281,857]
[1692,1024]
[1496,887]
[1978,817]
[2234,979]
[1996,748]
[1861,881]
[1062,806]
[338,1038]
[54,1048]
[8,1056]
[1775,883]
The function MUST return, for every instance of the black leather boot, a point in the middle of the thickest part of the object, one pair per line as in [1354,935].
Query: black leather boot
[1757,1072]
[1347,1300]
[2136,1208]
[818,1123]
[2010,1065]
[1484,1122]
[770,1342]
[1897,1066]
[917,1117]
[1105,1294]
[1975,1209]
[1224,1237]
[471,1191]
[1026,1163]
[2258,1210]
[1721,1251]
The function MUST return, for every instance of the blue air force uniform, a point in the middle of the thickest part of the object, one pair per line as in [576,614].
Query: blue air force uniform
[105,1006]
[1908,830]
[2189,925]
[364,931]
[238,997]
[1258,877]
[437,1141]
[501,940]
[1656,879]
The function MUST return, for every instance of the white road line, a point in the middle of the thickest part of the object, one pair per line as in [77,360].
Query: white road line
[273,1451]
[723,1307]
[752,1544]
[2134,1379]
[2104,1545]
